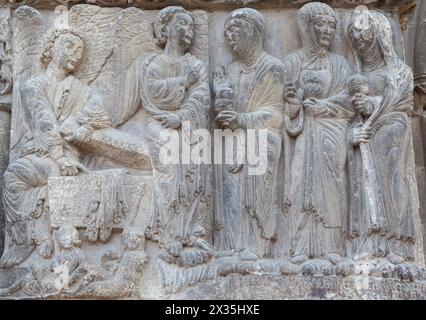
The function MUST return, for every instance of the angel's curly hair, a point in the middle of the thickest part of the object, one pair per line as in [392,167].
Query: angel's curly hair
[49,42]
[161,21]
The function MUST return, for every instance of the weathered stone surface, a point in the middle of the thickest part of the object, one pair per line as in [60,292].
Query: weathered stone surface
[115,185]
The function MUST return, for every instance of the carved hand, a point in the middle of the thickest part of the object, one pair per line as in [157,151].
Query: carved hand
[169,120]
[229,119]
[222,104]
[360,135]
[363,104]
[70,167]
[235,167]
[313,106]
[192,78]
[80,134]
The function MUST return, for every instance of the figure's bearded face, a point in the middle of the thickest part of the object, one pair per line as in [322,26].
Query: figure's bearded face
[324,29]
[362,37]
[239,35]
[182,30]
[68,52]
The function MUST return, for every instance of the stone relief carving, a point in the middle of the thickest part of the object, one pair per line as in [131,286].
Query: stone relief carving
[175,93]
[5,54]
[388,193]
[316,99]
[88,195]
[249,96]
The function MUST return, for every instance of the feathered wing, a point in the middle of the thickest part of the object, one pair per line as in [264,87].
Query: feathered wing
[200,47]
[27,43]
[95,23]
[134,40]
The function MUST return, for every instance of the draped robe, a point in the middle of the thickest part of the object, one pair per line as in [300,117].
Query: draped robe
[47,105]
[250,201]
[181,190]
[393,229]
[316,193]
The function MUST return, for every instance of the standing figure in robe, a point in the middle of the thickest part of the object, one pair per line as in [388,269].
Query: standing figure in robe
[174,91]
[51,101]
[385,172]
[249,94]
[317,117]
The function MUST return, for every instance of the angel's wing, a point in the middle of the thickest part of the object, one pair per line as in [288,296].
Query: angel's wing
[27,41]
[95,23]
[118,41]
[134,41]
[200,47]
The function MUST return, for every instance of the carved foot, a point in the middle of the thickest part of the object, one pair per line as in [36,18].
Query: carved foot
[288,268]
[174,249]
[317,267]
[45,249]
[15,255]
[385,268]
[248,256]
[222,254]
[299,259]
[334,258]
[345,268]
[408,271]
[395,258]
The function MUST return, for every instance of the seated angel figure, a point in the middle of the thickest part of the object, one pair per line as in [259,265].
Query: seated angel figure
[57,107]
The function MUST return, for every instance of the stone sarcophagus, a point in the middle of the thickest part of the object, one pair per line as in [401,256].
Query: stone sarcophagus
[157,151]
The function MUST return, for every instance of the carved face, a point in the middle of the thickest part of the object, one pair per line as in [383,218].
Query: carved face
[362,38]
[68,51]
[67,237]
[324,29]
[239,35]
[181,29]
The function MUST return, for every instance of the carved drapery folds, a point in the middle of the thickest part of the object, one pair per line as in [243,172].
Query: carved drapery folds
[98,104]
[5,53]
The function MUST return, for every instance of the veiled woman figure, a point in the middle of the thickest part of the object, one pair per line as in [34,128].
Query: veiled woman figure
[317,116]
[381,159]
[249,95]
[175,90]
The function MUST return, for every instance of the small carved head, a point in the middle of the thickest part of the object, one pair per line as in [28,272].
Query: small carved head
[318,22]
[357,84]
[133,240]
[65,47]
[312,84]
[174,23]
[244,28]
[68,237]
[361,31]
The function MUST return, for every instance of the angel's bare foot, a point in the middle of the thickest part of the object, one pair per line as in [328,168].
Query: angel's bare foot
[395,258]
[174,248]
[334,258]
[247,255]
[45,249]
[299,259]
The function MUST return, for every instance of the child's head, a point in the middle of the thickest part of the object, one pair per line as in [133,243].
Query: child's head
[357,84]
[68,237]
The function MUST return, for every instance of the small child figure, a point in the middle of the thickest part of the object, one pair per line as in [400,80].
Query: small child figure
[70,254]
